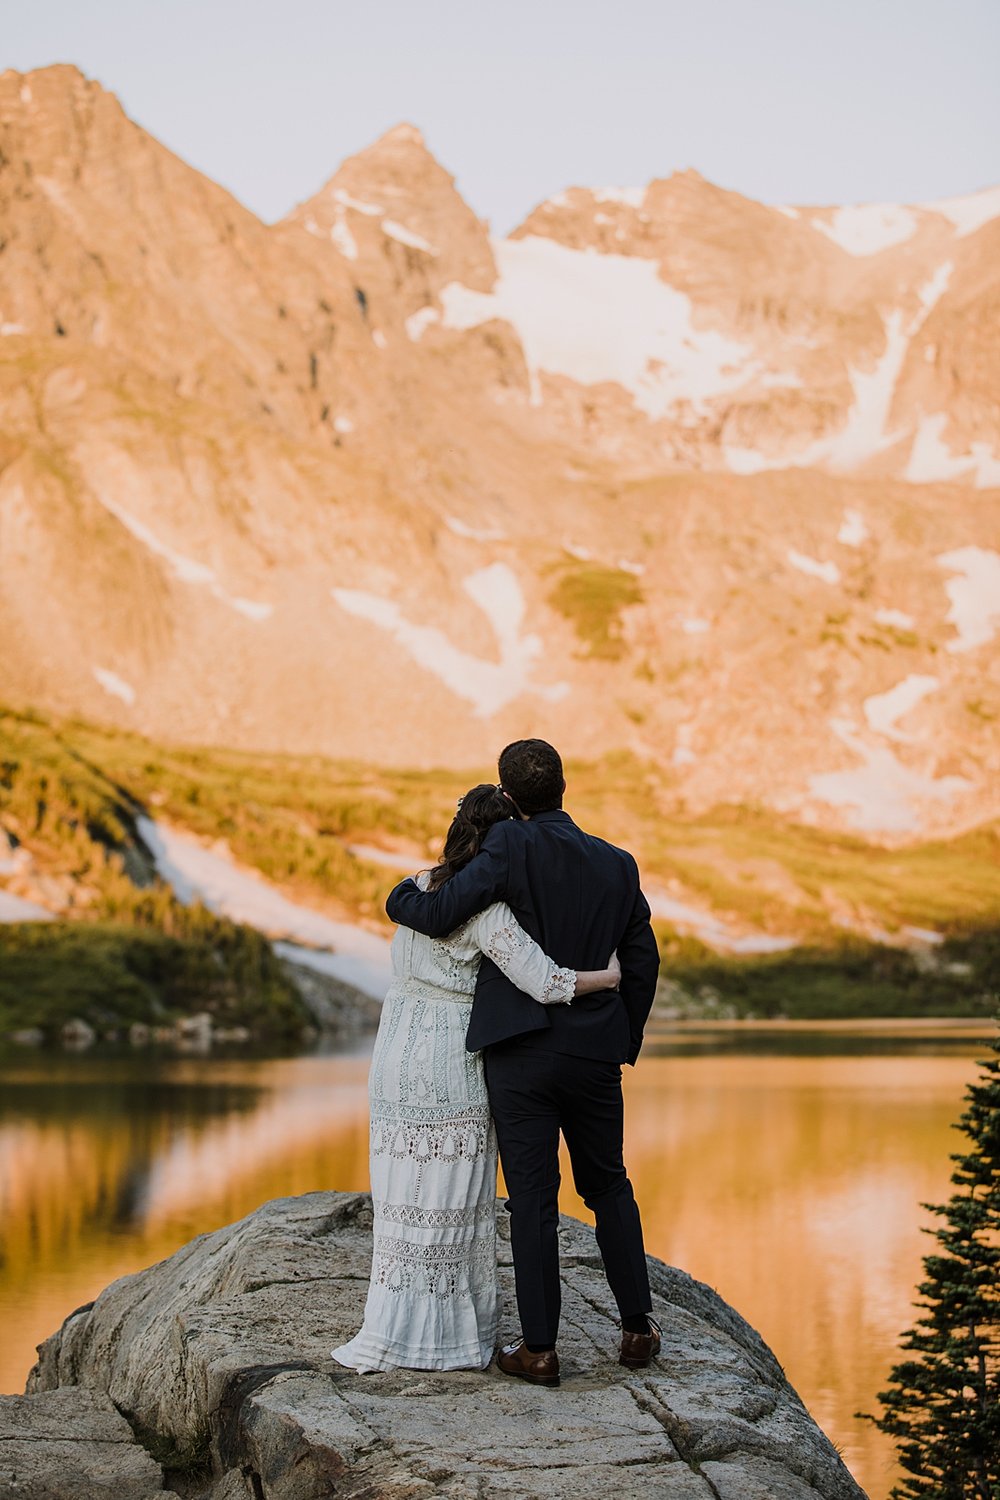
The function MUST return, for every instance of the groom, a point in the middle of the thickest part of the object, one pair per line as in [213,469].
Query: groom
[552,1068]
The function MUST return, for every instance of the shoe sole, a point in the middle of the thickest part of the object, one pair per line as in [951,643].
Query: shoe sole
[638,1364]
[531,1379]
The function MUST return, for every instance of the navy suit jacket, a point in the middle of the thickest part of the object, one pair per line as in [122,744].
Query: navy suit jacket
[579,898]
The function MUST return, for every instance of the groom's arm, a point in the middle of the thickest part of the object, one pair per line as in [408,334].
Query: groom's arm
[483,881]
[640,961]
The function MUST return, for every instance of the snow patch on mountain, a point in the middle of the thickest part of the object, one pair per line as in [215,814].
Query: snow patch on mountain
[975,595]
[251,608]
[782,380]
[407,237]
[827,571]
[186,569]
[853,529]
[630,197]
[894,617]
[931,459]
[867,228]
[969,213]
[115,685]
[342,238]
[391,859]
[881,795]
[17,909]
[712,931]
[473,533]
[865,433]
[13,857]
[418,322]
[196,873]
[883,709]
[373,210]
[597,318]
[487,685]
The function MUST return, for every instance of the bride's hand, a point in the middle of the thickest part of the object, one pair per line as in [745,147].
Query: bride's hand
[615,971]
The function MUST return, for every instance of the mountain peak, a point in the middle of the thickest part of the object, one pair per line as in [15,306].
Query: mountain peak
[403,133]
[54,72]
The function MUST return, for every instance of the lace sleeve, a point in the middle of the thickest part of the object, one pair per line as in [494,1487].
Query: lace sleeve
[501,937]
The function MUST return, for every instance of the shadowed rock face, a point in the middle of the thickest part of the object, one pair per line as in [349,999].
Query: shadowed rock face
[221,1354]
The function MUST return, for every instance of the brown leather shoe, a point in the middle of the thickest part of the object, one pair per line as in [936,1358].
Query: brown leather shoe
[640,1349]
[540,1369]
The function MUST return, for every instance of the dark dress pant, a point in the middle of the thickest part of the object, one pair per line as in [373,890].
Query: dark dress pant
[533,1095]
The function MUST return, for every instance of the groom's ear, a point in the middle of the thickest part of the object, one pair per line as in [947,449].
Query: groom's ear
[517,811]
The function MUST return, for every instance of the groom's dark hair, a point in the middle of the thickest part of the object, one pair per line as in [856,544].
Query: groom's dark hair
[532,772]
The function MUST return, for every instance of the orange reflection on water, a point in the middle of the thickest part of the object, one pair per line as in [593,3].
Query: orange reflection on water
[792,1184]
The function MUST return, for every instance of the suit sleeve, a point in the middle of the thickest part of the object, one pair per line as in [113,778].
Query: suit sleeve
[436,913]
[640,961]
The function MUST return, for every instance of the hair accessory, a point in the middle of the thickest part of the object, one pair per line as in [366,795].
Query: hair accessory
[458,804]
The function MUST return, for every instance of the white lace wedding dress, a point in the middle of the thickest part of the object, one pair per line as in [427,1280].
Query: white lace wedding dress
[432,1299]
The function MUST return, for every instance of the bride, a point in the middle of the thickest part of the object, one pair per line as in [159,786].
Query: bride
[432,1298]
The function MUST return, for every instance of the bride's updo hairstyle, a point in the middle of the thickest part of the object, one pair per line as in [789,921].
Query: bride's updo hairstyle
[478,810]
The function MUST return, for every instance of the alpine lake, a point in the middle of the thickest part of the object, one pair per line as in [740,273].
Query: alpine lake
[785,1165]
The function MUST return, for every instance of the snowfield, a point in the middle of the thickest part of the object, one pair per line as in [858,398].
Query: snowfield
[598,318]
[867,228]
[16,909]
[932,460]
[883,709]
[974,595]
[196,873]
[853,529]
[827,571]
[712,931]
[185,569]
[881,795]
[487,685]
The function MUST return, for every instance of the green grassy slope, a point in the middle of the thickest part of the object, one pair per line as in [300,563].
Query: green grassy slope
[132,952]
[69,792]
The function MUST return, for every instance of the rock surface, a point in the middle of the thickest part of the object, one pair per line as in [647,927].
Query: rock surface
[220,1356]
[72,1442]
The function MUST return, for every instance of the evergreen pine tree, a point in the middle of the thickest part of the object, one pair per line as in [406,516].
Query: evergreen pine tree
[943,1406]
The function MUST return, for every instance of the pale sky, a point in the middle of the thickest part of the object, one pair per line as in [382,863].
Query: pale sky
[788,101]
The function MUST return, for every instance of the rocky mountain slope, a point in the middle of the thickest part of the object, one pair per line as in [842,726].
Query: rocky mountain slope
[667,470]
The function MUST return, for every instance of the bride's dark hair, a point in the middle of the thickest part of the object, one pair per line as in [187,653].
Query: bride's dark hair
[478,810]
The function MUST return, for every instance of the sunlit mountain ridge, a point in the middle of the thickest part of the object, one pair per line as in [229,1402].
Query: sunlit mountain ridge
[667,472]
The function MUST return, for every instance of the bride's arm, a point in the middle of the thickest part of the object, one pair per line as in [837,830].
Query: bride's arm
[498,934]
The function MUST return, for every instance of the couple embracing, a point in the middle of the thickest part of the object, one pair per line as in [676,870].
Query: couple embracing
[495,1030]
